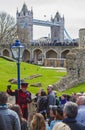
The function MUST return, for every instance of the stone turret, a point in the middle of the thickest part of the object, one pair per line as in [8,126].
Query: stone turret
[82,37]
[25,24]
[57,33]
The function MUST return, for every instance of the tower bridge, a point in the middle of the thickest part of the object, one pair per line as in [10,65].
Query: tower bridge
[25,21]
[47,53]
[49,24]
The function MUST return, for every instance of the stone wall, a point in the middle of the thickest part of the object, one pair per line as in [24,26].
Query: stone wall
[82,37]
[75,64]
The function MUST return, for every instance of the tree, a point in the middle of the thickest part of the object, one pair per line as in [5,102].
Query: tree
[8,29]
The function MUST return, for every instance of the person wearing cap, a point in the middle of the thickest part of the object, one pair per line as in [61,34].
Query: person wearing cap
[22,98]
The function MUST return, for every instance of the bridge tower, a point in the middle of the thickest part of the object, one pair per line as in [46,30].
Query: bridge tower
[25,24]
[57,32]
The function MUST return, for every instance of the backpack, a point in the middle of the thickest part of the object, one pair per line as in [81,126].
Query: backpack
[43,103]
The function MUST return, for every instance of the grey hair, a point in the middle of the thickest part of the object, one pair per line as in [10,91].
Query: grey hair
[3,97]
[82,100]
[71,109]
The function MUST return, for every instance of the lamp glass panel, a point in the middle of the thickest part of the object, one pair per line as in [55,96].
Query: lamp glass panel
[15,52]
[21,52]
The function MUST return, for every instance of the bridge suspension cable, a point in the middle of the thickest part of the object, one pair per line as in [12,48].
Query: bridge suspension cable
[67,35]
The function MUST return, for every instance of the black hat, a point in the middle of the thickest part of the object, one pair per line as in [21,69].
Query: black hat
[24,84]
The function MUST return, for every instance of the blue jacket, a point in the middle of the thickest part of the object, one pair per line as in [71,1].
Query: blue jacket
[2,123]
[81,114]
[10,118]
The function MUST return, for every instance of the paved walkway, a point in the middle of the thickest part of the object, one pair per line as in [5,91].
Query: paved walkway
[57,68]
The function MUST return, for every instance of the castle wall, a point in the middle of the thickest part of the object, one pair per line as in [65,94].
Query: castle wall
[40,54]
[75,65]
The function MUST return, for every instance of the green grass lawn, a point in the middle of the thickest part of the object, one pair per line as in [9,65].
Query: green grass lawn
[8,70]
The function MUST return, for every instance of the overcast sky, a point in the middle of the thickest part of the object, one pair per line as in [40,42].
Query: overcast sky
[73,11]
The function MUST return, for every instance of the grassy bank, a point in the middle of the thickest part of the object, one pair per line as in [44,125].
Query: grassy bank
[8,70]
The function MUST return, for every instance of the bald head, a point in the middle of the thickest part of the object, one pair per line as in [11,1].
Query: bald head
[81,100]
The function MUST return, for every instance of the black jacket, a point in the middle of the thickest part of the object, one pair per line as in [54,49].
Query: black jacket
[73,124]
[42,103]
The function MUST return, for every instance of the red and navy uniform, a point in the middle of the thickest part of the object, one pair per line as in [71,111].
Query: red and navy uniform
[22,99]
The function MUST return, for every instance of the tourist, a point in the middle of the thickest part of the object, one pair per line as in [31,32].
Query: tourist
[81,109]
[42,103]
[51,99]
[57,99]
[38,122]
[22,97]
[61,126]
[10,117]
[63,99]
[70,111]
[52,113]
[23,122]
[58,116]
[73,97]
[2,123]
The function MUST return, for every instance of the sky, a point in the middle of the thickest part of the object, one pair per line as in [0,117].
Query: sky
[72,10]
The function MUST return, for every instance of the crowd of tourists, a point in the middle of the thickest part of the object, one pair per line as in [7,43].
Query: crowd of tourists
[66,112]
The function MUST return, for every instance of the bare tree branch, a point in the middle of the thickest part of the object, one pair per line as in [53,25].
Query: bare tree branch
[8,29]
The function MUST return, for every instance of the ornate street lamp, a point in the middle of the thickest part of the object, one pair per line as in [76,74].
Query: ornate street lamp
[17,50]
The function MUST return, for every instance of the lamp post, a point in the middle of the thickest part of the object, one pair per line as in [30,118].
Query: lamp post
[17,50]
